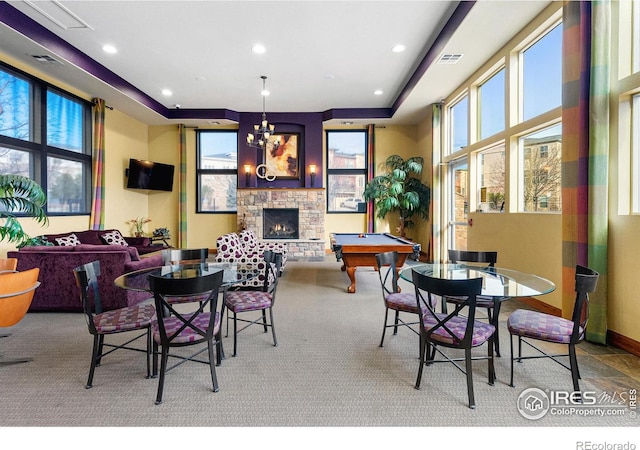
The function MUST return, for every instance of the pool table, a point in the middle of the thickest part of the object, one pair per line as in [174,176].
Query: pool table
[360,249]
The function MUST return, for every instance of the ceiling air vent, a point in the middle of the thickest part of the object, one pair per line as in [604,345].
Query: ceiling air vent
[46,59]
[450,58]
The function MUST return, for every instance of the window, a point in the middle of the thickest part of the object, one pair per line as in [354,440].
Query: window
[491,99]
[636,36]
[46,137]
[541,177]
[346,170]
[542,74]
[217,171]
[491,179]
[635,144]
[459,124]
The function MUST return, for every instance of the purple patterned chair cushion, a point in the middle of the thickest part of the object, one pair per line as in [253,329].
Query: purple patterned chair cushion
[238,301]
[402,301]
[541,326]
[125,319]
[173,324]
[457,325]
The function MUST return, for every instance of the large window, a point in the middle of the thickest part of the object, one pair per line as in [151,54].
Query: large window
[217,171]
[459,124]
[491,100]
[541,171]
[45,134]
[491,179]
[635,144]
[346,170]
[504,132]
[542,74]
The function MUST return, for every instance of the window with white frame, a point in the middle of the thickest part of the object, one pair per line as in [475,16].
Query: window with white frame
[635,144]
[45,134]
[531,144]
[459,125]
[346,170]
[491,99]
[491,179]
[217,171]
[541,170]
[635,43]
[542,74]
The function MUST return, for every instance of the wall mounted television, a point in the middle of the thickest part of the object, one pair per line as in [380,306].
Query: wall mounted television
[149,175]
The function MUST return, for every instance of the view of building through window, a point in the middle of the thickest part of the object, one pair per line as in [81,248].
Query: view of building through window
[541,175]
[346,170]
[217,170]
[491,179]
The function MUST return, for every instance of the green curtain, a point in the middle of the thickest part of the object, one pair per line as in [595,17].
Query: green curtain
[434,253]
[371,147]
[182,187]
[598,230]
[97,196]
[585,153]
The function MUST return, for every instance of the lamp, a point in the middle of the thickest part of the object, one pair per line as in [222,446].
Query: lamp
[247,173]
[261,133]
[312,173]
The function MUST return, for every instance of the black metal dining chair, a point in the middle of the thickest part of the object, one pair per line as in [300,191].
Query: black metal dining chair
[182,256]
[529,326]
[101,323]
[244,301]
[452,330]
[181,329]
[394,300]
[484,259]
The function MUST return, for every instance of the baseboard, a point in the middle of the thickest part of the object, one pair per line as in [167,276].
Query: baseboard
[623,342]
[540,306]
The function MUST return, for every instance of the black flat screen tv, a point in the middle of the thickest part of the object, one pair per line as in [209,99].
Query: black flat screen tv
[150,175]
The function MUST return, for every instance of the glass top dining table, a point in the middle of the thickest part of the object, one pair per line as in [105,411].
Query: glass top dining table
[233,274]
[497,282]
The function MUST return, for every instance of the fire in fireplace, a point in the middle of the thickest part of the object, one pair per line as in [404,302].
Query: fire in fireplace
[280,223]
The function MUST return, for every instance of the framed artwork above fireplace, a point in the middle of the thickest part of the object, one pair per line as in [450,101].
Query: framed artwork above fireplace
[283,160]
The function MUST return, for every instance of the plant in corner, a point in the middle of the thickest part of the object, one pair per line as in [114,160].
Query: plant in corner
[400,191]
[22,195]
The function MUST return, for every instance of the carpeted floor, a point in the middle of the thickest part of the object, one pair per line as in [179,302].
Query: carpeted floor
[328,371]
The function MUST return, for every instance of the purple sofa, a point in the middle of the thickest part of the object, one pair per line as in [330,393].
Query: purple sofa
[58,291]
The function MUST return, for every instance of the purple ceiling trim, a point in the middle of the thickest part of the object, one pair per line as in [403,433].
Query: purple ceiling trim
[357,113]
[39,34]
[447,32]
[197,113]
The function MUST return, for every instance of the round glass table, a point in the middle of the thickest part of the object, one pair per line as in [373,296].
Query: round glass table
[233,274]
[497,282]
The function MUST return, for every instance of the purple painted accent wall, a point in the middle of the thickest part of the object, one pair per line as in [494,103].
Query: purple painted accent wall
[309,125]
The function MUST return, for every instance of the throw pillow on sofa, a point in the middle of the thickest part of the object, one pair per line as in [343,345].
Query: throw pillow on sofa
[114,238]
[68,241]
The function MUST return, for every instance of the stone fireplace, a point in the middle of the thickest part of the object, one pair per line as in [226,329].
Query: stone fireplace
[254,205]
[280,223]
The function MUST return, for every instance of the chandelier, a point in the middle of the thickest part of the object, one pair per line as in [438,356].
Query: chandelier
[263,133]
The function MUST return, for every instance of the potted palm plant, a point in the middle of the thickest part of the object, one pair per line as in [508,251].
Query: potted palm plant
[22,195]
[400,191]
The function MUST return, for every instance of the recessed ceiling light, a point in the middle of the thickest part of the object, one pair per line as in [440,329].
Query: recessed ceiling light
[108,48]
[167,92]
[259,49]
[378,92]
[347,122]
[398,48]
